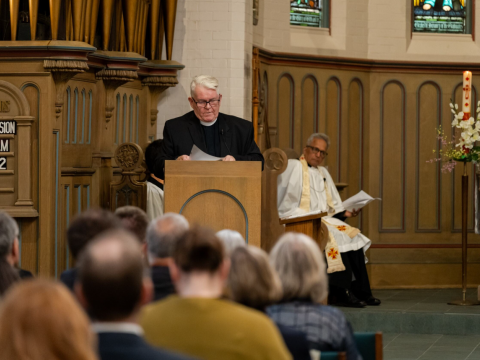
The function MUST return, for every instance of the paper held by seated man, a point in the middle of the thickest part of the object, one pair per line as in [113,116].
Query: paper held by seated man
[303,189]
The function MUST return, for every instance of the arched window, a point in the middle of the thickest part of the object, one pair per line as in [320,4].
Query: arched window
[442,16]
[311,13]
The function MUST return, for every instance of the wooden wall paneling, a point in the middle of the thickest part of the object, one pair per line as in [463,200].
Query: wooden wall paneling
[64,215]
[458,171]
[67,115]
[131,119]
[124,118]
[117,118]
[333,108]
[29,246]
[285,111]
[392,157]
[309,110]
[354,143]
[428,176]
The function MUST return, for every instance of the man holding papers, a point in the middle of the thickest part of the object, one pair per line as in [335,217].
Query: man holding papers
[306,187]
[219,135]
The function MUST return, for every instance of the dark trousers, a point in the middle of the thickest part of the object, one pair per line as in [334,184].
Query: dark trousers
[340,281]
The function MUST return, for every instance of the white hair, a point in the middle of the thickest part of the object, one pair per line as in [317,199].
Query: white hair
[206,81]
[163,232]
[301,267]
[231,240]
[8,233]
[320,136]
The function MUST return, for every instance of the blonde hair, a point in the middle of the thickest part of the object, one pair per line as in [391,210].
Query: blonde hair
[301,267]
[41,320]
[206,81]
[252,280]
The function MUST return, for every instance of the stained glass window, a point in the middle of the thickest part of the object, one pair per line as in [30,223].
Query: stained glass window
[442,16]
[311,13]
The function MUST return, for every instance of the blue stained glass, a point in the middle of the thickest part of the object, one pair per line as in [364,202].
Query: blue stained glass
[442,16]
[307,13]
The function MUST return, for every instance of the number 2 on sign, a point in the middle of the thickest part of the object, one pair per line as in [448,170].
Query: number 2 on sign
[3,163]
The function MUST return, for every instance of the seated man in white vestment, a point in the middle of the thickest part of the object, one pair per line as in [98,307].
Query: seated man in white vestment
[154,185]
[304,187]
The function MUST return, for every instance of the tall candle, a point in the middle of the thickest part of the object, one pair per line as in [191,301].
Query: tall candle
[467,93]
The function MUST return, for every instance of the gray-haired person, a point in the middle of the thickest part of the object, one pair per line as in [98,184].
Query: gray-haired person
[162,234]
[9,252]
[221,135]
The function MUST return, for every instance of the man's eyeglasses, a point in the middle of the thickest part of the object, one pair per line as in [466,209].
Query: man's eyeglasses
[203,103]
[317,151]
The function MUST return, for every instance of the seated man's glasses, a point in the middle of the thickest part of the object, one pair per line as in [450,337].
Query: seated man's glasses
[317,151]
[203,103]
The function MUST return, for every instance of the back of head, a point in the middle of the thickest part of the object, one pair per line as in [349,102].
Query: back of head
[301,267]
[87,225]
[111,275]
[252,281]
[134,220]
[8,234]
[231,240]
[151,153]
[198,249]
[163,232]
[40,320]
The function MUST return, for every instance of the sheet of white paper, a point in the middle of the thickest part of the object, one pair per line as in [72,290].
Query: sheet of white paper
[303,214]
[199,155]
[358,201]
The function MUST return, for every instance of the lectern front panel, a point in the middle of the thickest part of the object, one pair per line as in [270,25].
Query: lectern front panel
[220,195]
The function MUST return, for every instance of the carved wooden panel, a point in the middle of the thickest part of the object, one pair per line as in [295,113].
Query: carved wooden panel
[332,126]
[352,150]
[392,158]
[127,115]
[428,178]
[285,106]
[309,118]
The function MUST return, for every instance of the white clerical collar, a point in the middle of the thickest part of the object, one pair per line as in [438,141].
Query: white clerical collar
[208,123]
[117,327]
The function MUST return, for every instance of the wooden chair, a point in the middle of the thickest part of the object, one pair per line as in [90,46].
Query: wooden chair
[370,345]
[129,156]
[276,161]
[327,355]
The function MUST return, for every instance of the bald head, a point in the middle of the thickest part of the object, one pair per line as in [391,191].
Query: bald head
[163,232]
[111,276]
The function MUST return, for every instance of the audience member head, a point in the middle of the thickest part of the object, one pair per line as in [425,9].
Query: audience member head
[113,283]
[301,268]
[252,280]
[9,251]
[86,226]
[162,234]
[316,148]
[41,320]
[134,220]
[203,89]
[199,268]
[151,153]
[231,240]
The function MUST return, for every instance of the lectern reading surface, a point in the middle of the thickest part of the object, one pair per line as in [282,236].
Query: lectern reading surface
[217,194]
[310,225]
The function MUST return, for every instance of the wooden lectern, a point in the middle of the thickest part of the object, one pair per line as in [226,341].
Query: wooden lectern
[217,194]
[310,225]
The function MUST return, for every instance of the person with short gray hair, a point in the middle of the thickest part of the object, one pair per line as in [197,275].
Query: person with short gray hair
[301,268]
[305,187]
[220,135]
[9,252]
[162,234]
[231,240]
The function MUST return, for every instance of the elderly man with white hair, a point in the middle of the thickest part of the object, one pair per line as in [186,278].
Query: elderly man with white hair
[306,187]
[162,234]
[221,135]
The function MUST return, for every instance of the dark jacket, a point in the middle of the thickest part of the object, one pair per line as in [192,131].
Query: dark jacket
[296,342]
[68,277]
[124,346]
[162,282]
[180,134]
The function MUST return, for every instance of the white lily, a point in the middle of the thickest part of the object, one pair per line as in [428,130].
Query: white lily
[460,115]
[456,106]
[451,105]
[453,111]
[454,122]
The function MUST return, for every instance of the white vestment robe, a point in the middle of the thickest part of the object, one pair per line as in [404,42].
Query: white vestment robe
[154,201]
[290,194]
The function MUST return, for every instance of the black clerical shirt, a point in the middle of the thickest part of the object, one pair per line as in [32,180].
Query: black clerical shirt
[212,139]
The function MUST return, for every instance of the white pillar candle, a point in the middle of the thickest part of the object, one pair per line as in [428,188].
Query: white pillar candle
[467,92]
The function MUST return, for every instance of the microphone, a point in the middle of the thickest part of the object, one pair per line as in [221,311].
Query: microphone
[230,153]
